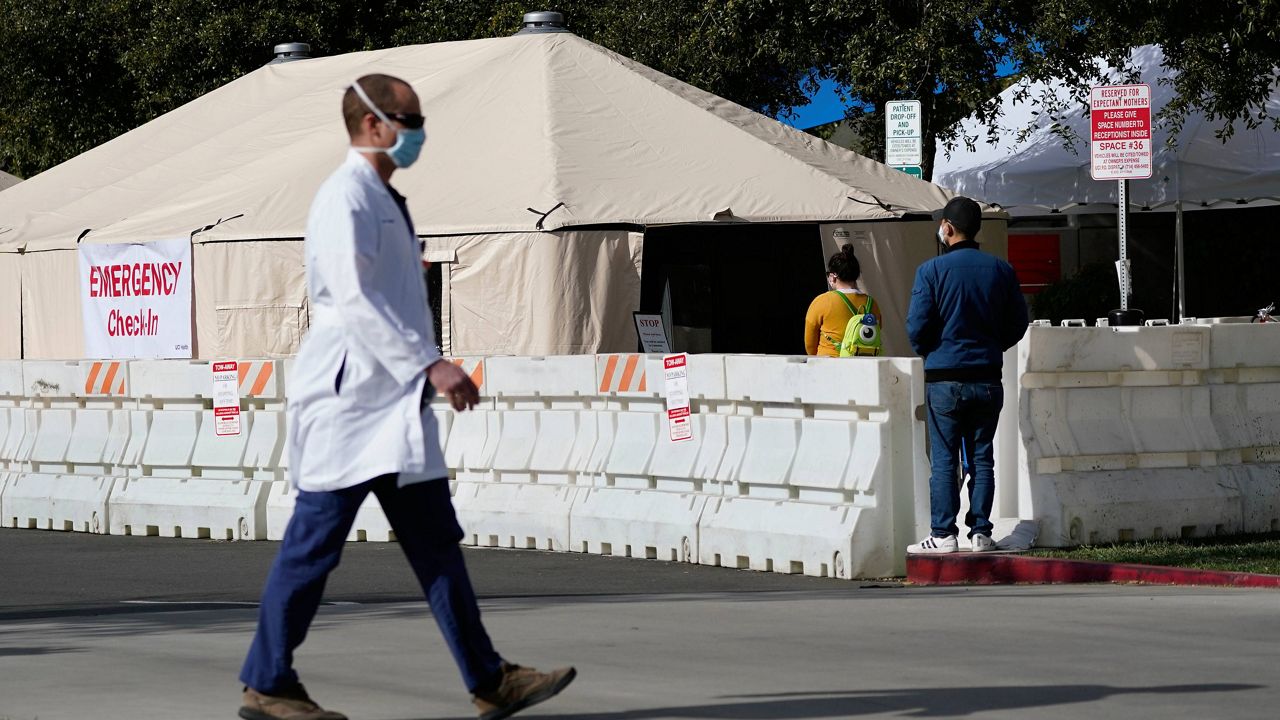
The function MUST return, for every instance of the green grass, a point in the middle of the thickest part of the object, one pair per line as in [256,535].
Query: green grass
[1239,553]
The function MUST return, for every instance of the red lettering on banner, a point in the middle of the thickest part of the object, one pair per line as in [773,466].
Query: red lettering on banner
[146,322]
[136,280]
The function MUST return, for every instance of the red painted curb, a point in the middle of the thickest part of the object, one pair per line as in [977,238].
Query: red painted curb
[1002,569]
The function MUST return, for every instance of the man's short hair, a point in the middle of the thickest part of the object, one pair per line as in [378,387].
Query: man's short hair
[381,89]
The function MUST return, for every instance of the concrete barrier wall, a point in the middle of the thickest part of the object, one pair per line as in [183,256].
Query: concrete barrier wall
[129,448]
[1139,433]
[797,465]
[809,465]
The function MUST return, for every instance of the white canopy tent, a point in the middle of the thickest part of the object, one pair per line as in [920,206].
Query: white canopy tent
[1038,174]
[547,157]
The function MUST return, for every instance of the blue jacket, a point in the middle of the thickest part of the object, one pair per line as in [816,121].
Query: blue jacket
[966,310]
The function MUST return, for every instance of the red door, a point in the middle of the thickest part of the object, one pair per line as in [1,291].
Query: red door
[1037,259]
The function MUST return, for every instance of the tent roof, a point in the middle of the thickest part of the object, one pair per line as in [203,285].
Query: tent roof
[1040,174]
[7,180]
[514,123]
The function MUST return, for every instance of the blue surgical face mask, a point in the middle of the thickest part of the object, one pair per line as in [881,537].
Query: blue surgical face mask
[408,145]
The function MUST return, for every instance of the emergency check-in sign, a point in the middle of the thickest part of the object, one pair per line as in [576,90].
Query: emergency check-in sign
[226,398]
[679,418]
[136,299]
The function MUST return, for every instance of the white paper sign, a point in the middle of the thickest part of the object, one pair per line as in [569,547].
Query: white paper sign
[226,398]
[136,299]
[675,368]
[653,336]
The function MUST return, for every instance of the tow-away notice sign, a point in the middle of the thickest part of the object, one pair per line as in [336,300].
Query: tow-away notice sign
[678,416]
[226,398]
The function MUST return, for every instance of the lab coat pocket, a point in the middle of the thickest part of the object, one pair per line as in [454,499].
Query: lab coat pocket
[365,382]
[337,379]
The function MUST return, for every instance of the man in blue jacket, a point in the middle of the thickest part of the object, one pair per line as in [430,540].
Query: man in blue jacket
[966,310]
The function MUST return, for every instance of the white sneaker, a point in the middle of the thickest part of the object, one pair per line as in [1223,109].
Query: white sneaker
[982,543]
[934,546]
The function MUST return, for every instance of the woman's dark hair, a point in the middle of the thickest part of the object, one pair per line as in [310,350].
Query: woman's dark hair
[845,265]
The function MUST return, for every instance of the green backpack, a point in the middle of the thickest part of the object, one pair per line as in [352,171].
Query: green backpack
[861,333]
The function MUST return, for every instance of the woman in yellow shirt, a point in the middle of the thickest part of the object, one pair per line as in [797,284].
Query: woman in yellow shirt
[829,314]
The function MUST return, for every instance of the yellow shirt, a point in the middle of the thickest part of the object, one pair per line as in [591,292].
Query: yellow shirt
[827,317]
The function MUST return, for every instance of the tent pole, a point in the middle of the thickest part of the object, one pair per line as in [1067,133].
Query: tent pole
[1179,266]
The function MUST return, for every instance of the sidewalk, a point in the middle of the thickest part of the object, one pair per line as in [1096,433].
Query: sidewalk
[1063,652]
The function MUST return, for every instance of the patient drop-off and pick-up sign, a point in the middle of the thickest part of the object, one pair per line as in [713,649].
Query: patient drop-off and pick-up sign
[1120,132]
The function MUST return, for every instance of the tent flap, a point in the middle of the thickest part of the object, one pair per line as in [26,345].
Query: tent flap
[560,293]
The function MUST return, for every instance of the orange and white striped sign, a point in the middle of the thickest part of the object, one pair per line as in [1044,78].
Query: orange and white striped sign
[473,367]
[105,377]
[256,376]
[621,373]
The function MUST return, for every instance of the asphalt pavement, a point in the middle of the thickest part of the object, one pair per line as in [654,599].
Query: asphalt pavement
[143,628]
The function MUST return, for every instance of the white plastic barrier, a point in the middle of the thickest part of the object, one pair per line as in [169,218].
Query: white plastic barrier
[192,508]
[57,502]
[501,499]
[125,446]
[825,480]
[1139,433]
[811,465]
[642,494]
[60,447]
[11,388]
[575,454]
[191,481]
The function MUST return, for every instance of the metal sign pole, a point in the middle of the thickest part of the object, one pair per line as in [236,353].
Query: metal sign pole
[1123,221]
[1180,263]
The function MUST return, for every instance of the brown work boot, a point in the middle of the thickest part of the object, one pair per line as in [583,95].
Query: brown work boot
[291,704]
[519,688]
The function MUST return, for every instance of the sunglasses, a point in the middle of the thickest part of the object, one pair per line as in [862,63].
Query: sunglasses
[411,121]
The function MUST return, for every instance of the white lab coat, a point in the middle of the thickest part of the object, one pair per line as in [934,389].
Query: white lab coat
[356,390]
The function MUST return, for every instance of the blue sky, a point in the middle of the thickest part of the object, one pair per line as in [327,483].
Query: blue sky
[825,105]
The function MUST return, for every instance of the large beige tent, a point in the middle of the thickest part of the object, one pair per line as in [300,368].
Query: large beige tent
[7,180]
[548,160]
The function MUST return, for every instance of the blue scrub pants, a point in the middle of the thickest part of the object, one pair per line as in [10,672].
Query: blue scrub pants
[422,517]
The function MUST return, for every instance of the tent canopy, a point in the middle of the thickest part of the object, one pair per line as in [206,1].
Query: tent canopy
[7,180]
[517,127]
[1040,174]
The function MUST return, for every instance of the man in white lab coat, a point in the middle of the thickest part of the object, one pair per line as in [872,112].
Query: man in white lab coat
[359,422]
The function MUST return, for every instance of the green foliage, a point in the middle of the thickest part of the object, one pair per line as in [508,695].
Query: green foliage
[1223,56]
[79,72]
[1089,294]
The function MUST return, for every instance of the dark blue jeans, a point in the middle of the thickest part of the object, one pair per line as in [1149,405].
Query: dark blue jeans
[962,415]
[427,529]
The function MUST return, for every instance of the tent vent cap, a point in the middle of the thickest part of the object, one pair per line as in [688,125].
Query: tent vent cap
[288,52]
[543,21]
